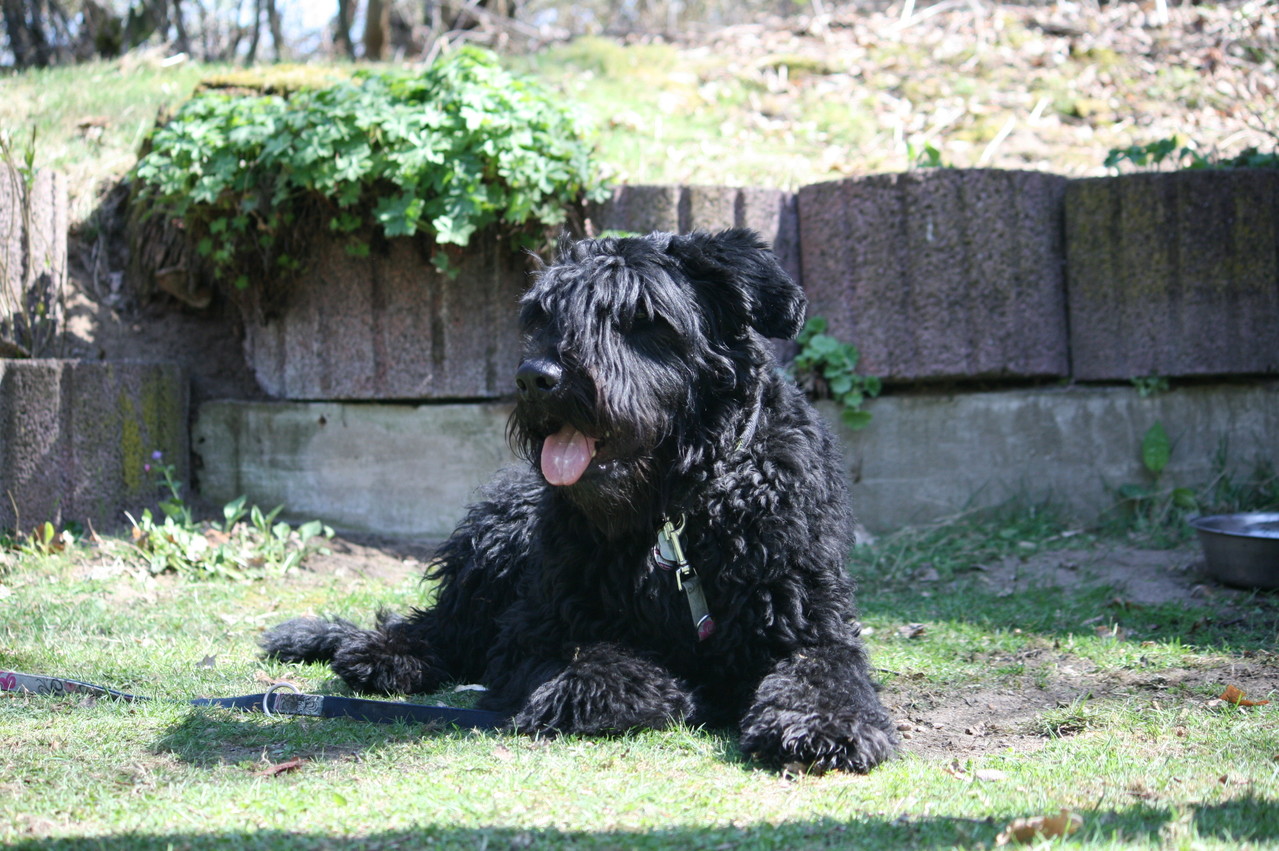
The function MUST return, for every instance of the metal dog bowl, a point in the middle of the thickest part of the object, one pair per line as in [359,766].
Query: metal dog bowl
[1241,549]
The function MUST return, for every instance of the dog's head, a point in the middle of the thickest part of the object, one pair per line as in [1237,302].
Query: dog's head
[641,355]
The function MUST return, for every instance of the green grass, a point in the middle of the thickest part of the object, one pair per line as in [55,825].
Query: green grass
[125,100]
[1133,744]
[785,111]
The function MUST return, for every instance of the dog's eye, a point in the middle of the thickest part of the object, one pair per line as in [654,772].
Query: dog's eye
[641,315]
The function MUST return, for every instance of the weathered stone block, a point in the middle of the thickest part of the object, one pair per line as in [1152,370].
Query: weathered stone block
[681,209]
[940,274]
[33,259]
[389,326]
[1174,274]
[75,438]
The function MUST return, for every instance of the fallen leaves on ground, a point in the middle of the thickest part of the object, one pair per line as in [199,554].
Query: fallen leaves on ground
[1040,827]
[1234,694]
[282,767]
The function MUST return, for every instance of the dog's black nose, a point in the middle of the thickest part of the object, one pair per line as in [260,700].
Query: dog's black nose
[537,378]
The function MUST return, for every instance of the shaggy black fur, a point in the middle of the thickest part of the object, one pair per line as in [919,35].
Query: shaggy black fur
[651,353]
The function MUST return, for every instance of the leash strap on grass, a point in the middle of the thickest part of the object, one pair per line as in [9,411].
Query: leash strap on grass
[279,703]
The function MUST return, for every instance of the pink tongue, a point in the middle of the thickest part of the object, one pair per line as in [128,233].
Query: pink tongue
[565,456]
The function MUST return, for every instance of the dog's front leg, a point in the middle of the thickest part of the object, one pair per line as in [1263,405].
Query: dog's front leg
[819,708]
[604,689]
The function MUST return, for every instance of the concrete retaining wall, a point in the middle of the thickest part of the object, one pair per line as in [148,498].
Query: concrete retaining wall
[389,326]
[33,260]
[75,438]
[940,274]
[393,469]
[929,456]
[1174,274]
[412,469]
[935,275]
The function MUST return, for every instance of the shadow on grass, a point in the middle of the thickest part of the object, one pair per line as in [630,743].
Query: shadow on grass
[1239,622]
[1245,819]
[211,738]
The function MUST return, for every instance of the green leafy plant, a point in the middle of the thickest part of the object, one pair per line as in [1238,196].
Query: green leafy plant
[823,362]
[1150,505]
[31,299]
[443,152]
[927,156]
[1150,385]
[1180,152]
[44,540]
[263,547]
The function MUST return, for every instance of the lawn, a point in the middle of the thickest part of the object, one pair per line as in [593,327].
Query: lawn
[1032,667]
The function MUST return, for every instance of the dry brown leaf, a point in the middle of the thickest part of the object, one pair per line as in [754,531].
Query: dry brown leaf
[283,767]
[1234,694]
[1047,827]
[912,630]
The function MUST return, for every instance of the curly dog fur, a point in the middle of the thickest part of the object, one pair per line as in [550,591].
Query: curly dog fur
[648,392]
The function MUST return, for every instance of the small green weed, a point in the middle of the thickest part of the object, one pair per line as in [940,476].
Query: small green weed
[262,547]
[1179,152]
[927,156]
[824,362]
[1150,385]
[31,302]
[1156,512]
[44,540]
[1150,506]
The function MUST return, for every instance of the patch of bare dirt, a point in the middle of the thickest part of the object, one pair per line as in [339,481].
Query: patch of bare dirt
[944,722]
[374,557]
[1138,576]
[949,723]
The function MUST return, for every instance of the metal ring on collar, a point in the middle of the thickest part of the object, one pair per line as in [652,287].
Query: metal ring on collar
[266,697]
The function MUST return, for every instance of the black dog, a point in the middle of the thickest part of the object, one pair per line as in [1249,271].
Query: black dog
[677,547]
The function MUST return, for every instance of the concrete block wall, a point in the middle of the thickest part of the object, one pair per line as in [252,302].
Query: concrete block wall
[75,438]
[940,274]
[681,209]
[392,469]
[412,469]
[1173,274]
[390,326]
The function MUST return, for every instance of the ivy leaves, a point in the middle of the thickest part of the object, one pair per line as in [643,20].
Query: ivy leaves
[447,151]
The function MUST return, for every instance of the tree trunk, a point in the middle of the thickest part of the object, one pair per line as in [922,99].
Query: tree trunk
[256,33]
[377,21]
[184,42]
[277,33]
[15,24]
[342,29]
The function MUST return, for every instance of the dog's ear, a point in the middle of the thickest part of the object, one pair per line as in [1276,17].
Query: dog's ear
[773,303]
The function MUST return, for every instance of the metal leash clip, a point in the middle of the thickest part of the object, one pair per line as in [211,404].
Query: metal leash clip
[669,554]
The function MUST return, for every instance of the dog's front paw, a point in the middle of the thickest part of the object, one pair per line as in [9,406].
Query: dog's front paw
[604,690]
[843,740]
[388,660]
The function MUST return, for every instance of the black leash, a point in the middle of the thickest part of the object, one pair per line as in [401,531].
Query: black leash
[274,701]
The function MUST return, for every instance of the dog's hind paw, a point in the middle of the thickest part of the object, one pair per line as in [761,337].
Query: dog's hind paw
[842,741]
[604,690]
[307,639]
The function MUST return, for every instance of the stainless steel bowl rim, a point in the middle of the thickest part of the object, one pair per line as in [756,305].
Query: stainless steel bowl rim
[1237,525]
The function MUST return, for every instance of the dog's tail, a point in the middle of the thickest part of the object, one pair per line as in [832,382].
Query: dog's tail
[307,639]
